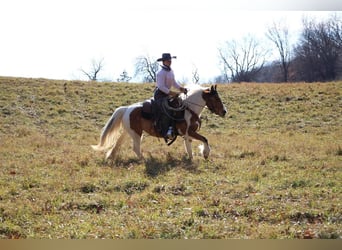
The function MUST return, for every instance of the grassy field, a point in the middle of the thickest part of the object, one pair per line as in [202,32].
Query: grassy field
[274,170]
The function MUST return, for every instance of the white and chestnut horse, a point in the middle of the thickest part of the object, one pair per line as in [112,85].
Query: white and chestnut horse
[128,120]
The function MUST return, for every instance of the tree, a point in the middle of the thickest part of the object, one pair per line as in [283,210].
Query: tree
[270,72]
[279,35]
[92,74]
[242,60]
[147,68]
[195,75]
[318,54]
[124,77]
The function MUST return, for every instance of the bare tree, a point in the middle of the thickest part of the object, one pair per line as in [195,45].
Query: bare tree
[336,27]
[147,68]
[279,35]
[318,53]
[97,66]
[242,60]
[195,75]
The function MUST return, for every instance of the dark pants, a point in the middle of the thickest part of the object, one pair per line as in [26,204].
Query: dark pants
[163,122]
[159,95]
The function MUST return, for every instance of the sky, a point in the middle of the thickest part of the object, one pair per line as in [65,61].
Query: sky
[57,38]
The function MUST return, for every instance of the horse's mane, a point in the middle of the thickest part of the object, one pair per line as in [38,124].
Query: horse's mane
[193,88]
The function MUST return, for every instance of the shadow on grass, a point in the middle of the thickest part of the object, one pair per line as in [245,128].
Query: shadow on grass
[120,162]
[153,166]
[158,166]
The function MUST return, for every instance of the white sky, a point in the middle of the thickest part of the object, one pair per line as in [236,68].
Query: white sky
[55,39]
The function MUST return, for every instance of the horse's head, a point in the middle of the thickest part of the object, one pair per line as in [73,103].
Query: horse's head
[213,101]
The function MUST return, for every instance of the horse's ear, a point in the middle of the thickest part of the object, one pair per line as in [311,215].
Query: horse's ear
[213,88]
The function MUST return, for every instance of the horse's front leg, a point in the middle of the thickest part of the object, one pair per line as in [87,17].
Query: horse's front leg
[187,143]
[205,150]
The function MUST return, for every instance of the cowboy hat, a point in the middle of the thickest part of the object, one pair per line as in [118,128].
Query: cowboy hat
[166,57]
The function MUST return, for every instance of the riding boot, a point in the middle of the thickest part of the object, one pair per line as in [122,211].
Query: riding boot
[169,133]
[164,125]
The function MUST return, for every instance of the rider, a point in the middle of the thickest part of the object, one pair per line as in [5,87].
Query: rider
[165,81]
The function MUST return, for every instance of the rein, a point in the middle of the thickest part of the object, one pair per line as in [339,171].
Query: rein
[183,107]
[198,105]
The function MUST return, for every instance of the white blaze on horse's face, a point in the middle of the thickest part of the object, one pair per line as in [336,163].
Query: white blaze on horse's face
[213,101]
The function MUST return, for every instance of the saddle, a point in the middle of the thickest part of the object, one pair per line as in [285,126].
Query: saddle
[147,111]
[164,112]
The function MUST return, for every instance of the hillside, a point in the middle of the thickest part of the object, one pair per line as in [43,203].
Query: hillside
[274,169]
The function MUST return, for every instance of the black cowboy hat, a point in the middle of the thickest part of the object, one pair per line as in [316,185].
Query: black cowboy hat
[166,57]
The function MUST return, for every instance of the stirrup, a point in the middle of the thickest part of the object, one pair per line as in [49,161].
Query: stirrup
[169,141]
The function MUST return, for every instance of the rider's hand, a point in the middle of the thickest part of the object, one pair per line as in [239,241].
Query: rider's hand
[184,90]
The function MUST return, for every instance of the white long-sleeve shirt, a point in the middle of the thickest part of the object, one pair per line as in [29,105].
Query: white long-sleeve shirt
[166,80]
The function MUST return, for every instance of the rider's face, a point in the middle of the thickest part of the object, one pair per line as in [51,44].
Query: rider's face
[167,63]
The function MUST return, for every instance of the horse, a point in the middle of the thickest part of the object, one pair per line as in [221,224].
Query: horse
[128,120]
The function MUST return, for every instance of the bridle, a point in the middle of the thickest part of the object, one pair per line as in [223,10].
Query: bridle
[199,105]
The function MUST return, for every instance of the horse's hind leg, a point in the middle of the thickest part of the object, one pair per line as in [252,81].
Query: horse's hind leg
[136,137]
[136,144]
[132,125]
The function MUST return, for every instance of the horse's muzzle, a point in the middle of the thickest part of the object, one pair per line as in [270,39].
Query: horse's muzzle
[223,113]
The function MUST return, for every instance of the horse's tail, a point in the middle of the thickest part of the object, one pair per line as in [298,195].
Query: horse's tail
[111,131]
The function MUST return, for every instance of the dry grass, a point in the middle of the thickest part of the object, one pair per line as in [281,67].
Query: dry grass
[274,170]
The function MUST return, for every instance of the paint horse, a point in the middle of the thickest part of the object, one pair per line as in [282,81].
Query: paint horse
[128,120]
